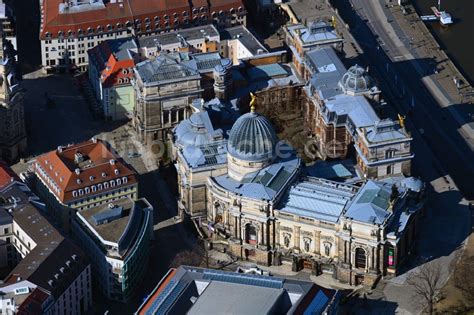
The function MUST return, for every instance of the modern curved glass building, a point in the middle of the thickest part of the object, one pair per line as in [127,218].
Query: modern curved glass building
[116,238]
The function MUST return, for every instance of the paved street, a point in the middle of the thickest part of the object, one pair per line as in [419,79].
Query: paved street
[447,222]
[70,120]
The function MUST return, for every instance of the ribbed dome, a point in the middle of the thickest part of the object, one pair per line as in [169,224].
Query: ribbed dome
[252,138]
[355,80]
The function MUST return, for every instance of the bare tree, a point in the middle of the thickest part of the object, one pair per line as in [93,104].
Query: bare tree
[426,282]
[464,277]
[196,256]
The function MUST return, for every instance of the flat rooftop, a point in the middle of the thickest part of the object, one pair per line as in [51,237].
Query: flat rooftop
[235,298]
[113,230]
[189,34]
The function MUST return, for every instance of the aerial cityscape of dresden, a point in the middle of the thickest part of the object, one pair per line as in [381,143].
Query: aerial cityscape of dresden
[236,157]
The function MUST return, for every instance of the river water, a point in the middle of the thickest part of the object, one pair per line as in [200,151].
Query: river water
[458,39]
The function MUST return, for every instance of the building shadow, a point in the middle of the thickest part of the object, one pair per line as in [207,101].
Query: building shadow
[363,305]
[402,84]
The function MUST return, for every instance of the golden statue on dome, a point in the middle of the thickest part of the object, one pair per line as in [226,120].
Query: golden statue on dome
[253,99]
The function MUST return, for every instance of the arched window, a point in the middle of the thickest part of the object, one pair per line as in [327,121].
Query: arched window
[250,234]
[124,179]
[360,258]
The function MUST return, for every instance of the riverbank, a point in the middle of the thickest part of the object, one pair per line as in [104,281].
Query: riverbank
[424,46]
[453,39]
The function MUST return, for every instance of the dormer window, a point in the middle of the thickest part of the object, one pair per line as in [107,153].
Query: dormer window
[80,31]
[91,178]
[100,29]
[116,171]
[106,185]
[87,190]
[119,181]
[112,183]
[94,189]
[99,186]
[147,20]
[124,180]
[109,27]
[69,33]
[90,30]
[78,181]
[74,193]
[60,33]
[81,192]
[128,24]
[104,174]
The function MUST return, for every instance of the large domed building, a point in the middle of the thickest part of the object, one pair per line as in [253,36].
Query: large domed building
[251,145]
[245,186]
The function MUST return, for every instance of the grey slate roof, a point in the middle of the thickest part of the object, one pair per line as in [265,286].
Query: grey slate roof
[165,68]
[371,203]
[385,131]
[223,292]
[174,37]
[356,108]
[202,137]
[266,184]
[318,32]
[327,70]
[317,199]
[247,39]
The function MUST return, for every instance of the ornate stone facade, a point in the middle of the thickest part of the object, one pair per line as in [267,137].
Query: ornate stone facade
[12,116]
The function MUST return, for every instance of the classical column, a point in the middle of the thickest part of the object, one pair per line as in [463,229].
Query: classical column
[296,243]
[236,227]
[239,228]
[372,257]
[169,116]
[277,233]
[317,242]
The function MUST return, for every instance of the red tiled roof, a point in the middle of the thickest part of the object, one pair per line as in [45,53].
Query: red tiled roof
[120,12]
[114,71]
[60,167]
[7,175]
[33,304]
